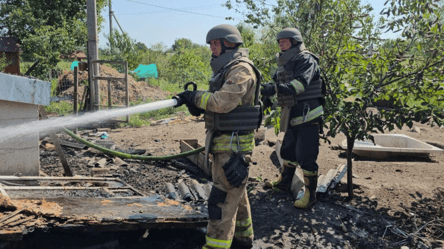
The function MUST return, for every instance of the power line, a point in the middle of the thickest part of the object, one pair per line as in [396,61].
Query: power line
[162,7]
[155,12]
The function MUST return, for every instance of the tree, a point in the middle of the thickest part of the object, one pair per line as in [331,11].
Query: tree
[46,28]
[247,34]
[360,68]
[124,49]
[141,46]
[183,43]
[188,65]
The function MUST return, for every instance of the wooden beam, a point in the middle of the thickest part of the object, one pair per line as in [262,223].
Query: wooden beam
[57,145]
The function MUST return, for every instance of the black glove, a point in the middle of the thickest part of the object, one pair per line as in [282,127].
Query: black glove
[268,89]
[236,170]
[194,110]
[185,97]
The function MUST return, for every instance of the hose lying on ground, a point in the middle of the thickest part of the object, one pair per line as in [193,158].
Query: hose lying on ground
[129,156]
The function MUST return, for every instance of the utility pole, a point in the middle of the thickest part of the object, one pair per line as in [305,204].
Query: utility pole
[110,26]
[93,54]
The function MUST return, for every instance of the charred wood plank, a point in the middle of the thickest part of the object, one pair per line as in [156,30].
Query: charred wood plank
[73,145]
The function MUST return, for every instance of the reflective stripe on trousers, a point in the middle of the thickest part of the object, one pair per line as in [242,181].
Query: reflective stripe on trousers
[216,243]
[244,228]
[222,143]
[290,164]
[236,207]
[316,113]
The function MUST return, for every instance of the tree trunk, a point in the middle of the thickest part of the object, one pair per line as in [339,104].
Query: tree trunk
[350,144]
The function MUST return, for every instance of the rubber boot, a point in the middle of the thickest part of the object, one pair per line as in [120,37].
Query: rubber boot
[311,182]
[284,180]
[241,243]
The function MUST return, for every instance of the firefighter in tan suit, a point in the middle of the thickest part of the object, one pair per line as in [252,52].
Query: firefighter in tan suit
[231,115]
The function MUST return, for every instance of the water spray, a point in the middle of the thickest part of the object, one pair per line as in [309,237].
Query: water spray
[56,124]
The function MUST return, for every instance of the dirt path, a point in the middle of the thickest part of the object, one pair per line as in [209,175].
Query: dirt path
[398,201]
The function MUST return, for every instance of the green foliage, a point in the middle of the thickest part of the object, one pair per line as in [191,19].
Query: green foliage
[183,43]
[361,68]
[188,63]
[247,34]
[61,108]
[54,85]
[136,121]
[262,52]
[187,66]
[274,118]
[44,34]
[123,49]
[185,62]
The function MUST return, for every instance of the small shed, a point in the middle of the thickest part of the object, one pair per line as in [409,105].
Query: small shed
[9,55]
[20,98]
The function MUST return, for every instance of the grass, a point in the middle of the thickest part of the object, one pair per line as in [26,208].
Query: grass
[62,108]
[54,84]
[144,118]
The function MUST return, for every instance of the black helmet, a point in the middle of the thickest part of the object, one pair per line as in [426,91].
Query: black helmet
[225,31]
[290,33]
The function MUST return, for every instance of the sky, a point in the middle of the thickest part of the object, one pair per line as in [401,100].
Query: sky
[154,21]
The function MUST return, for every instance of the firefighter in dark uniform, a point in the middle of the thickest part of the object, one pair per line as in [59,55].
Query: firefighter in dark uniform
[299,90]
[231,114]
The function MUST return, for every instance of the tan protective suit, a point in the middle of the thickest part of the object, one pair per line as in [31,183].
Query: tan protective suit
[229,210]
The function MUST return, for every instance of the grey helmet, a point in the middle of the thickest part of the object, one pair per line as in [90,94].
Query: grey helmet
[290,33]
[225,31]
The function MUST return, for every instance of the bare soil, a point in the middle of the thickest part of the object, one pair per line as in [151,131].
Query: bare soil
[137,91]
[398,201]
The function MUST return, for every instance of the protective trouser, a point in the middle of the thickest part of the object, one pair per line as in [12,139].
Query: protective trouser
[301,145]
[228,209]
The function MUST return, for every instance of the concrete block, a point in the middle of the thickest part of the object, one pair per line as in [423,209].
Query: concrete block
[20,89]
[20,157]
[15,113]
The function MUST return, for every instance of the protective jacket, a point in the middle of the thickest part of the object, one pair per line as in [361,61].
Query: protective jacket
[232,90]
[231,94]
[300,93]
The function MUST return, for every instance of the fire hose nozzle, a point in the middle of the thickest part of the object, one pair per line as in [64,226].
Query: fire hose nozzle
[181,100]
